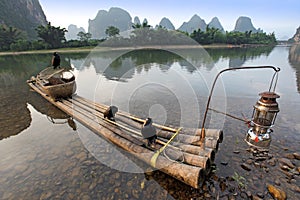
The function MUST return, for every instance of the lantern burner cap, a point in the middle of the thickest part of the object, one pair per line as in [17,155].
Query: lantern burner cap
[271,95]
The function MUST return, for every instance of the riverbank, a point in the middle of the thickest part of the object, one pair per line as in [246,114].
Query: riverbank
[104,49]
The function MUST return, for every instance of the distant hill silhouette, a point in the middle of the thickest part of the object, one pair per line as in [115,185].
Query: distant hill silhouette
[25,15]
[296,37]
[121,19]
[116,17]
[193,24]
[215,23]
[136,20]
[244,24]
[73,30]
[166,23]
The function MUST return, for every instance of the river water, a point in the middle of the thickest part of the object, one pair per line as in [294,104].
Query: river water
[44,158]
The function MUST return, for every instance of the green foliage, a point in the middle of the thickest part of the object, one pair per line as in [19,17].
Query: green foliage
[84,37]
[212,35]
[24,45]
[20,45]
[78,43]
[54,36]
[143,25]
[208,36]
[135,26]
[112,31]
[8,35]
[241,181]
[38,45]
[149,36]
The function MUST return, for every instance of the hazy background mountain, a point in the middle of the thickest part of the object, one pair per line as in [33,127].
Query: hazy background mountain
[116,17]
[166,23]
[122,20]
[25,15]
[215,23]
[296,37]
[136,20]
[28,14]
[73,30]
[244,24]
[193,24]
[145,21]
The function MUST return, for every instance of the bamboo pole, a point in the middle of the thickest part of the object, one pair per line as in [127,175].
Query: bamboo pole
[197,150]
[103,123]
[103,107]
[175,152]
[185,139]
[190,175]
[214,133]
[120,119]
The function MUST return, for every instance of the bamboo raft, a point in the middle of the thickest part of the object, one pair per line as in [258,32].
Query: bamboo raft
[185,158]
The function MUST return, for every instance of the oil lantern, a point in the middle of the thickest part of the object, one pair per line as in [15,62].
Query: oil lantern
[263,118]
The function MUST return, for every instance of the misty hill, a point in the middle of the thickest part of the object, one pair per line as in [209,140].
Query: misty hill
[194,24]
[116,17]
[73,30]
[296,37]
[25,15]
[136,20]
[215,23]
[166,23]
[244,24]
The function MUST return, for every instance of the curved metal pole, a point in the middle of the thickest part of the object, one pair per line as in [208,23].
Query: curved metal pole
[276,69]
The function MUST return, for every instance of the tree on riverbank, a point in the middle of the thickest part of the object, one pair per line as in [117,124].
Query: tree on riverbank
[112,31]
[53,36]
[212,35]
[8,35]
[142,34]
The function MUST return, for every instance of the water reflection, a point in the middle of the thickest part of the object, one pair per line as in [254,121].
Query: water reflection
[14,114]
[238,56]
[15,94]
[122,65]
[48,160]
[115,65]
[294,60]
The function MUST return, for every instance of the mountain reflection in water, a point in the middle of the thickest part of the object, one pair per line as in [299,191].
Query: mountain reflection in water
[44,160]
[294,59]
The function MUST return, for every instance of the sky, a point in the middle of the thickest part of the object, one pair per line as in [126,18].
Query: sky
[279,16]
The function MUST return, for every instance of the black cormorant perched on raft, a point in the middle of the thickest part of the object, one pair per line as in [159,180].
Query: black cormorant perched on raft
[149,132]
[110,113]
[55,60]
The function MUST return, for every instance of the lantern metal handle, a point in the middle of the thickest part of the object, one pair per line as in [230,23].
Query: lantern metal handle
[275,84]
[276,69]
